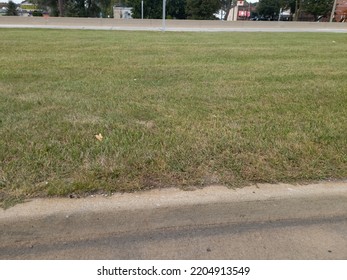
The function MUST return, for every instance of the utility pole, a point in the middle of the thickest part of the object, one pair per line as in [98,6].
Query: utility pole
[333,11]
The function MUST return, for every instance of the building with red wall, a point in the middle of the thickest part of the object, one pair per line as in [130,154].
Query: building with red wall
[341,11]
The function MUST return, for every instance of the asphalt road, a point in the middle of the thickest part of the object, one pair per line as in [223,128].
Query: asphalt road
[170,25]
[258,222]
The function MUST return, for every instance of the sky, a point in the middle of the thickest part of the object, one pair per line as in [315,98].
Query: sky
[15,1]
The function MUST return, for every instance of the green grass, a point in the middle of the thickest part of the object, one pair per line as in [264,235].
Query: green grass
[175,109]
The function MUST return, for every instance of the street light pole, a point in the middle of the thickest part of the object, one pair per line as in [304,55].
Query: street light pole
[164,13]
[333,11]
[142,9]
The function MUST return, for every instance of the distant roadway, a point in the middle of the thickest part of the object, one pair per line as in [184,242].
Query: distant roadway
[170,25]
[258,222]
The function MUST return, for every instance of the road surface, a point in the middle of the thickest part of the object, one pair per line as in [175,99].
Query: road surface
[256,222]
[170,25]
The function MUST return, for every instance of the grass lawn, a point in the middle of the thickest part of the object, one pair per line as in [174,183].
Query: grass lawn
[174,109]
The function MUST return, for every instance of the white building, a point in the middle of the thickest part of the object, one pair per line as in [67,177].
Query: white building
[121,12]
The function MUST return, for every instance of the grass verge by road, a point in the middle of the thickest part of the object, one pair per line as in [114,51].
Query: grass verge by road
[174,109]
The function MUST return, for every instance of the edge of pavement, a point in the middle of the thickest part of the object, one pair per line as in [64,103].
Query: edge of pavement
[167,197]
[57,218]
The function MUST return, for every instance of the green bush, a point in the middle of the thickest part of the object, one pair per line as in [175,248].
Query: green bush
[37,14]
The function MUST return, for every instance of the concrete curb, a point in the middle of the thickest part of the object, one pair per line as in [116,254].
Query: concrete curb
[171,197]
[51,228]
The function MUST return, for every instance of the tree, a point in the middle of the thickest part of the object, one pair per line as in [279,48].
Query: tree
[317,7]
[154,8]
[106,7]
[76,8]
[176,9]
[61,6]
[289,5]
[226,5]
[297,9]
[151,8]
[50,6]
[11,9]
[92,8]
[272,8]
[268,8]
[202,9]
